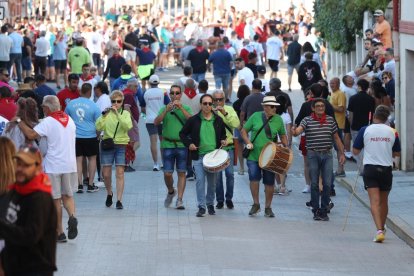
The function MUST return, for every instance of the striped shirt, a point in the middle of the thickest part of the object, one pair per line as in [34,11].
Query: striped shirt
[319,137]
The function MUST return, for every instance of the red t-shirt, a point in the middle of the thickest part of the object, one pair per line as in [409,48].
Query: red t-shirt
[8,108]
[65,96]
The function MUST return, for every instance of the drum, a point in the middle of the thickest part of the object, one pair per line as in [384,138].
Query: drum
[216,161]
[275,158]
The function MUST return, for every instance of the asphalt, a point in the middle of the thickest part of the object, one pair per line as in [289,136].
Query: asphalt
[148,239]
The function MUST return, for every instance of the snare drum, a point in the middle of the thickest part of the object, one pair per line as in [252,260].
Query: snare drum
[216,161]
[275,158]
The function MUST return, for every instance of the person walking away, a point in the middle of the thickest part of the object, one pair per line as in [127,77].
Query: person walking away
[293,52]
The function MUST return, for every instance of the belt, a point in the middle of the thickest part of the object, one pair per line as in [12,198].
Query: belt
[321,151]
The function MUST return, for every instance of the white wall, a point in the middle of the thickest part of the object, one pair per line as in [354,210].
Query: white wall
[407,8]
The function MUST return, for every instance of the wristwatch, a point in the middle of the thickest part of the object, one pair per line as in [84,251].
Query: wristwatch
[18,120]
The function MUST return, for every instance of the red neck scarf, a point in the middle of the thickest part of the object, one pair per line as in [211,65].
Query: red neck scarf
[190,92]
[310,99]
[146,49]
[61,117]
[199,49]
[321,120]
[39,183]
[87,78]
[227,46]
[128,91]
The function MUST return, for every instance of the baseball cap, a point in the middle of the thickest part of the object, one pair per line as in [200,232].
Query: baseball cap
[199,42]
[378,13]
[261,69]
[29,155]
[154,79]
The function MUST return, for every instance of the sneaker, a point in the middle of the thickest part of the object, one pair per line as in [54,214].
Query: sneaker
[190,177]
[61,238]
[340,174]
[211,210]
[100,184]
[108,201]
[229,204]
[330,206]
[129,169]
[283,191]
[72,227]
[255,209]
[323,216]
[92,188]
[309,205]
[241,172]
[333,192]
[80,189]
[379,236]
[306,189]
[201,212]
[119,205]
[179,204]
[269,213]
[290,90]
[156,168]
[168,200]
[220,205]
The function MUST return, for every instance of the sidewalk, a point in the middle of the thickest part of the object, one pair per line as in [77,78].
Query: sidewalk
[401,204]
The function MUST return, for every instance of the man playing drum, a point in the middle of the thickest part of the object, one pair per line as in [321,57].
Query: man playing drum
[265,127]
[231,121]
[321,131]
[202,134]
[173,117]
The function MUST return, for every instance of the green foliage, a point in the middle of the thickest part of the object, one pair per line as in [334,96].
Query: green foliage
[340,21]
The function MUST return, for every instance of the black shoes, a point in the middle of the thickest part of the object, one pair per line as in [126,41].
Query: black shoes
[211,210]
[320,215]
[92,188]
[61,238]
[72,228]
[201,212]
[220,205]
[108,201]
[119,205]
[80,189]
[229,204]
[333,192]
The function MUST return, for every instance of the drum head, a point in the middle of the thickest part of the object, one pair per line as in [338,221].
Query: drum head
[215,158]
[267,154]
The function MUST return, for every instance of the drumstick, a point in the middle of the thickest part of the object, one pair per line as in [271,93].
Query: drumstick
[217,151]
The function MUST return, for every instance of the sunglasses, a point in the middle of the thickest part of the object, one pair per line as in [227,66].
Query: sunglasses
[116,101]
[28,148]
[319,106]
[207,103]
[175,93]
[218,99]
[384,78]
[271,106]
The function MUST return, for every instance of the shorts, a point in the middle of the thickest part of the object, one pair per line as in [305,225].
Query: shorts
[155,47]
[60,65]
[87,147]
[63,184]
[154,130]
[50,62]
[174,156]
[347,128]
[256,173]
[117,154]
[291,67]
[152,71]
[163,48]
[376,176]
[274,65]
[26,63]
[130,55]
[302,145]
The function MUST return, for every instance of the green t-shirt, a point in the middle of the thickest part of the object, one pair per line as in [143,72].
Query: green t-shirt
[207,135]
[171,128]
[254,123]
[77,57]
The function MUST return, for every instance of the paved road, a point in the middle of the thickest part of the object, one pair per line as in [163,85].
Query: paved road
[147,239]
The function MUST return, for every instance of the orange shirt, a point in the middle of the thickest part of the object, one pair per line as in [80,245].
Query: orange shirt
[384,29]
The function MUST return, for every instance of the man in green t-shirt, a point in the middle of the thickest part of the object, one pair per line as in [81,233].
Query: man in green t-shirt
[173,116]
[203,133]
[261,137]
[77,57]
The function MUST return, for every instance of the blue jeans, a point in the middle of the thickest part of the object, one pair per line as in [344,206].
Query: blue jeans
[16,59]
[222,79]
[229,171]
[199,77]
[201,174]
[320,163]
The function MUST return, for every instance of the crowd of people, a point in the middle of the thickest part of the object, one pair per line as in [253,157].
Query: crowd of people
[60,142]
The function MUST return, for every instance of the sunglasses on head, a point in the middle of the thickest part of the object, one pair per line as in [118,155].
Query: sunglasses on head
[116,101]
[28,148]
[218,99]
[207,103]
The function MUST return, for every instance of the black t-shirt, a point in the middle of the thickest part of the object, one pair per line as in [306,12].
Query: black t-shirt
[281,93]
[253,67]
[361,104]
[26,42]
[198,60]
[294,53]
[145,38]
[132,39]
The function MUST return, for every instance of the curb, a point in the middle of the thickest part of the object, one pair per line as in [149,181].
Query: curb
[394,223]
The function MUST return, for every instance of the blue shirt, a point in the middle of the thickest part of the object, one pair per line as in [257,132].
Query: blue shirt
[221,59]
[44,90]
[145,58]
[17,41]
[60,50]
[84,113]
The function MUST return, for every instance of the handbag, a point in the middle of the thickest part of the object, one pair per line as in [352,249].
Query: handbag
[108,143]
[246,151]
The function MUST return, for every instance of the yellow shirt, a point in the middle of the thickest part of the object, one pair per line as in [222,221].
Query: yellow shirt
[338,99]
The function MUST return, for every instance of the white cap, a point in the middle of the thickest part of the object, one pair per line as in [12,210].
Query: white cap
[154,79]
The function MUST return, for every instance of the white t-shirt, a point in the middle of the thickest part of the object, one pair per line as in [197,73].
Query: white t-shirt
[61,151]
[193,103]
[247,75]
[92,81]
[259,51]
[274,48]
[154,100]
[42,47]
[94,42]
[265,86]
[103,102]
